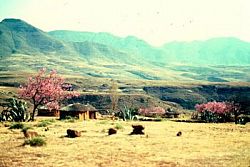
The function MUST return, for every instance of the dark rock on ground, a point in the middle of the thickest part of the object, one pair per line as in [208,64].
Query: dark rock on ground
[179,133]
[112,131]
[73,133]
[137,130]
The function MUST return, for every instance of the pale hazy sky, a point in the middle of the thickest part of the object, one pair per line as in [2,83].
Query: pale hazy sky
[155,21]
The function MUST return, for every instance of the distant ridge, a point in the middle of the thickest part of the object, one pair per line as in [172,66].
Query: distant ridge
[109,56]
[215,51]
[129,44]
[17,36]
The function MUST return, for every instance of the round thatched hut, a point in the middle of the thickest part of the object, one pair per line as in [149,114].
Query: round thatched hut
[44,111]
[79,111]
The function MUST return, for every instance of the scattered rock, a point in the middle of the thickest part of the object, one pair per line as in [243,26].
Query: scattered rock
[73,133]
[29,134]
[46,129]
[179,133]
[6,125]
[112,131]
[137,130]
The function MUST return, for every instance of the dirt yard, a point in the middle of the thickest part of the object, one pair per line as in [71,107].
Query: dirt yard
[199,145]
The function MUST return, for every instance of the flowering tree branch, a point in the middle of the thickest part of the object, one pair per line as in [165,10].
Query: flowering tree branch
[45,90]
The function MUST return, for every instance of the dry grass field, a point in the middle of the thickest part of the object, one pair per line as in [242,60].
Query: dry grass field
[200,145]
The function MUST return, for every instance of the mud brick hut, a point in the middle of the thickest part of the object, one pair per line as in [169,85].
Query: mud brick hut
[172,114]
[80,111]
[44,111]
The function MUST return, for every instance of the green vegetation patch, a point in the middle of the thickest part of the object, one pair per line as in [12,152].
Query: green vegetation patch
[45,122]
[36,141]
[119,126]
[70,119]
[17,125]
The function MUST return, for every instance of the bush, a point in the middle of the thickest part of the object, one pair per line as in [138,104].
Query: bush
[36,141]
[243,119]
[25,128]
[17,125]
[152,112]
[216,111]
[70,119]
[119,126]
[45,122]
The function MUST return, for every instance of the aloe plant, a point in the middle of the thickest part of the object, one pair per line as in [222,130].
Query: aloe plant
[127,113]
[16,110]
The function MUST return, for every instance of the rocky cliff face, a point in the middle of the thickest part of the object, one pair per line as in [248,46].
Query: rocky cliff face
[187,97]
[102,102]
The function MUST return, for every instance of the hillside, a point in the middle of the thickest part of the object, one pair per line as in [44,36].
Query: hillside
[89,60]
[17,36]
[130,44]
[25,48]
[216,51]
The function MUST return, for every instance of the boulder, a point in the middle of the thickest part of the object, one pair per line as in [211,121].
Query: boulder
[137,130]
[73,133]
[112,131]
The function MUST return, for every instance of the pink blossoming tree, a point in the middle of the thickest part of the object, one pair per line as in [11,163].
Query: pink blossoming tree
[152,111]
[46,90]
[216,111]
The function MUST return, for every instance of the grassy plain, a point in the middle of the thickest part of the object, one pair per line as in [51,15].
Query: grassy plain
[200,145]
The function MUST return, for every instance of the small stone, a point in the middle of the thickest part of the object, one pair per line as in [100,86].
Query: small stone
[112,131]
[73,133]
[179,133]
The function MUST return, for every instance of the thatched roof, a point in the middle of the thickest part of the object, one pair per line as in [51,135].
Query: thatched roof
[78,107]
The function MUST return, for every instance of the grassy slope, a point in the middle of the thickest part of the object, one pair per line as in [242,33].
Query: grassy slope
[76,65]
[26,48]
[200,145]
[215,51]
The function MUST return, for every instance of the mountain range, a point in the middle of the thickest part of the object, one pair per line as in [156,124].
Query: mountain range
[26,48]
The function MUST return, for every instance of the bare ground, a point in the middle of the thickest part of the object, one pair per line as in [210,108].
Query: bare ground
[200,145]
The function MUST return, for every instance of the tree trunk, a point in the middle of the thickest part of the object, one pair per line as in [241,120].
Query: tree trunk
[236,114]
[32,118]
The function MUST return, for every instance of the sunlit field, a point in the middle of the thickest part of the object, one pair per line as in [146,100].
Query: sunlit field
[201,144]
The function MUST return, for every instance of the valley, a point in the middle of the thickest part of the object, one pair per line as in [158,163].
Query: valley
[177,74]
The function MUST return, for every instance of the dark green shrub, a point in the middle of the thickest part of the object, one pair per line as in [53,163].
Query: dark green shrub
[45,122]
[17,125]
[25,128]
[243,119]
[36,141]
[70,119]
